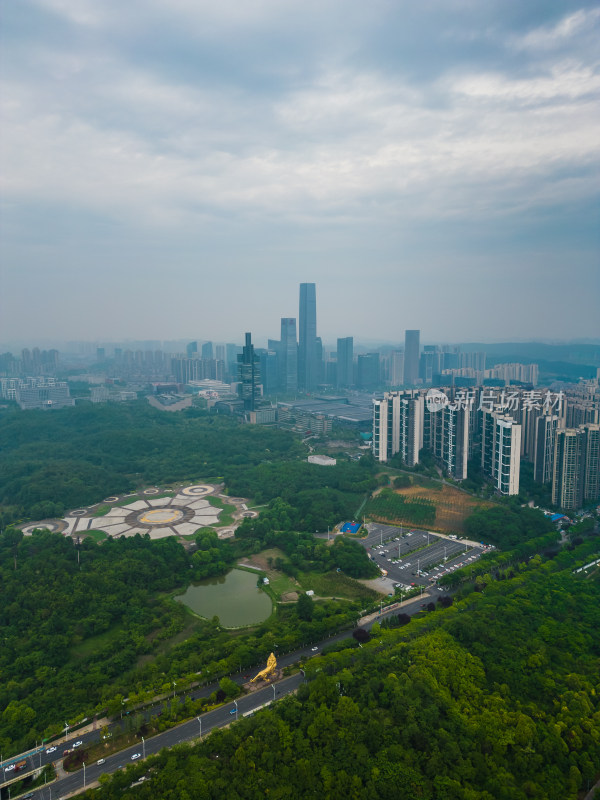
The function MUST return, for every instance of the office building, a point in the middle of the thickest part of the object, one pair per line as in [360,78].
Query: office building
[207,350]
[288,356]
[268,370]
[44,396]
[249,375]
[345,362]
[396,368]
[368,371]
[501,451]
[307,344]
[411,357]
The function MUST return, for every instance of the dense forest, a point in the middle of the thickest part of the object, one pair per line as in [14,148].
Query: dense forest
[58,460]
[494,698]
[83,626]
[55,461]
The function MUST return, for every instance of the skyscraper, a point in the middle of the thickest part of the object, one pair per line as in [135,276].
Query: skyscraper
[249,375]
[288,353]
[345,362]
[307,345]
[411,357]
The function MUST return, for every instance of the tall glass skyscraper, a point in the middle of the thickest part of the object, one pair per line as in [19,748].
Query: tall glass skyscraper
[249,375]
[288,354]
[307,345]
[345,361]
[411,357]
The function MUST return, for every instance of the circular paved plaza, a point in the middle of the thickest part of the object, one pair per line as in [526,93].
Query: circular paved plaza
[182,515]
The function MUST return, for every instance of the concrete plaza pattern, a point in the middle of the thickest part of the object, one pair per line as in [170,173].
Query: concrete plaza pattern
[159,517]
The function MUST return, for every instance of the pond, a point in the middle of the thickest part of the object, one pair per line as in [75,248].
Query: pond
[234,598]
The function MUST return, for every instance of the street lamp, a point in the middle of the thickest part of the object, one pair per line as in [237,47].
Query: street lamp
[143,747]
[236,709]
[174,685]
[200,723]
[84,774]
[273,691]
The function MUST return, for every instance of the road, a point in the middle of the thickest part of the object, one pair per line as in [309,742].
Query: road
[186,732]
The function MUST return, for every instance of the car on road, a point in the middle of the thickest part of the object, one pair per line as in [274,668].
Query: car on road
[51,750]
[100,761]
[10,768]
[77,744]
[135,756]
[233,710]
[314,649]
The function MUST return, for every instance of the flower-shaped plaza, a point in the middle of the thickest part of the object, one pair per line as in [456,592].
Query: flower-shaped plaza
[180,515]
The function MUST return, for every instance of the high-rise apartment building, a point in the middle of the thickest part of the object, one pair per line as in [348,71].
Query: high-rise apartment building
[345,362]
[207,350]
[411,357]
[567,479]
[307,345]
[249,375]
[591,467]
[446,434]
[398,426]
[546,427]
[501,451]
[576,477]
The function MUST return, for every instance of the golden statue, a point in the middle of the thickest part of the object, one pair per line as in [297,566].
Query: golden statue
[268,670]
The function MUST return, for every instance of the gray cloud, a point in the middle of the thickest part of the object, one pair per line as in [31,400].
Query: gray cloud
[407,155]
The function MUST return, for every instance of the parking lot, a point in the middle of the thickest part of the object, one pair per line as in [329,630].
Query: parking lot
[416,557]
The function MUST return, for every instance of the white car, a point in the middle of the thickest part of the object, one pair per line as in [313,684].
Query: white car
[51,750]
[100,761]
[9,768]
[314,649]
[135,756]
[77,744]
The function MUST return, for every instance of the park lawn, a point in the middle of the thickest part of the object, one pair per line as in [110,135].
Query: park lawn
[227,511]
[336,584]
[101,511]
[279,583]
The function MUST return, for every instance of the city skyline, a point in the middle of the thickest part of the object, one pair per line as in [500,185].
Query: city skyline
[177,172]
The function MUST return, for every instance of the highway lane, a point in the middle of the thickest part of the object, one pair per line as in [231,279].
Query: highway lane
[186,732]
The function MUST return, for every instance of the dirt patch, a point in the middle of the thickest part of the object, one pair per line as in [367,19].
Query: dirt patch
[452,505]
[380,585]
[289,597]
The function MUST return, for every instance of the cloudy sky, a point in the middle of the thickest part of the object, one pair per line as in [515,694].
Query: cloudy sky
[176,169]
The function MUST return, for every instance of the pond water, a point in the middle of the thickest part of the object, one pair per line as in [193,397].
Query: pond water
[234,598]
